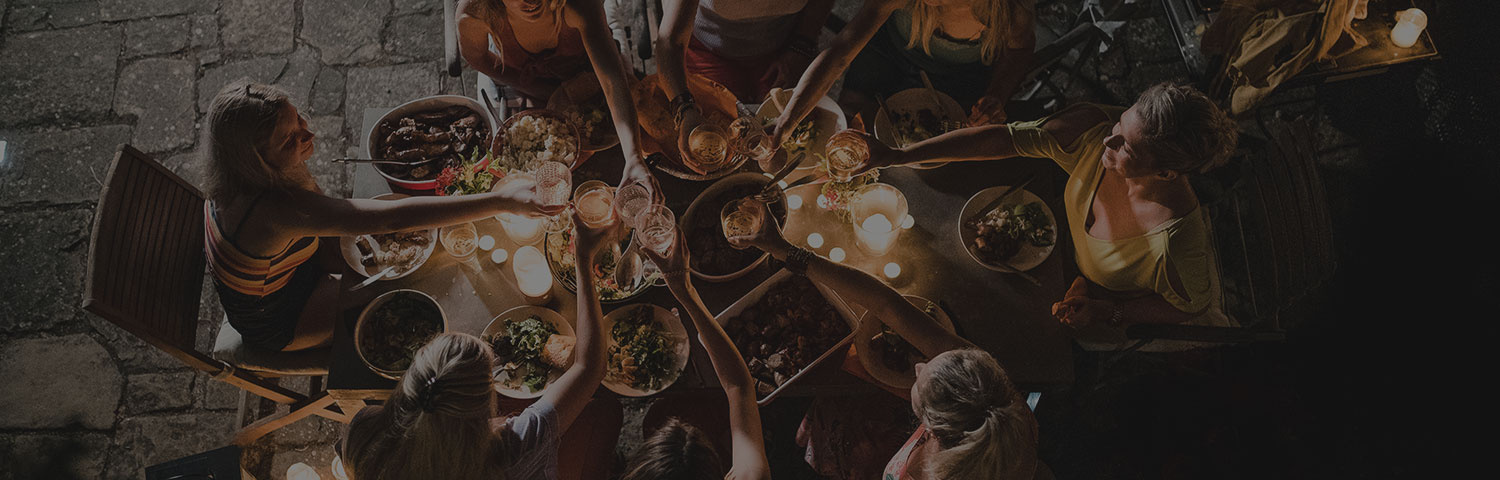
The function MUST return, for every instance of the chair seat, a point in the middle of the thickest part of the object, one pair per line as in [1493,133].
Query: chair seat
[230,348]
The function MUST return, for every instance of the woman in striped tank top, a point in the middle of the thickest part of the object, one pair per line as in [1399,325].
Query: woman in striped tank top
[265,215]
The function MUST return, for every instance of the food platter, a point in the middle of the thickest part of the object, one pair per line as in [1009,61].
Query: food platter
[905,108]
[658,127]
[705,235]
[1028,256]
[351,249]
[832,329]
[376,138]
[825,120]
[559,250]
[393,327]
[667,325]
[532,136]
[582,97]
[873,348]
[496,331]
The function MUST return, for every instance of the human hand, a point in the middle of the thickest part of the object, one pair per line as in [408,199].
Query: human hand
[989,109]
[881,156]
[587,240]
[518,195]
[636,172]
[768,237]
[1079,312]
[691,118]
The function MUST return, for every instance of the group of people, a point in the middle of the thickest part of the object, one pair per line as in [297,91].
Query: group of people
[1140,236]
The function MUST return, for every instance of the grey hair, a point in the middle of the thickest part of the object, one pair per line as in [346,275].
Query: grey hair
[1183,130]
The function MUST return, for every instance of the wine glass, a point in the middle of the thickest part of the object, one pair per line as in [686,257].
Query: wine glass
[739,217]
[656,229]
[847,151]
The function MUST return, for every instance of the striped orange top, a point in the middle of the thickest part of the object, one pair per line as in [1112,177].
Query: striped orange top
[249,274]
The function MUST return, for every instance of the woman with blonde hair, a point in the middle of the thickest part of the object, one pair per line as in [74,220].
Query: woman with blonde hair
[976,51]
[535,45]
[440,421]
[266,212]
[1141,240]
[973,422]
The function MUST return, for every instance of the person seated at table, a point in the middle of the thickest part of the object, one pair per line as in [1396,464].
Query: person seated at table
[1142,240]
[265,212]
[679,450]
[538,44]
[748,46]
[974,423]
[976,51]
[439,422]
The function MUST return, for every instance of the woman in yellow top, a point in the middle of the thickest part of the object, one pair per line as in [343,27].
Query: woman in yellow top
[1141,238]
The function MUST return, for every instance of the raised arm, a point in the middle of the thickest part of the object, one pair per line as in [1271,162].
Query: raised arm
[861,288]
[749,451]
[573,390]
[474,47]
[1010,67]
[827,66]
[986,142]
[671,44]
[588,16]
[304,213]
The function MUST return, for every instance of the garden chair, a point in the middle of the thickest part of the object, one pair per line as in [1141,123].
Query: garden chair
[145,274]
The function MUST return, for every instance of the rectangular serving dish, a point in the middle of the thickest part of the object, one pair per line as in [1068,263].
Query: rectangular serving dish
[760,291]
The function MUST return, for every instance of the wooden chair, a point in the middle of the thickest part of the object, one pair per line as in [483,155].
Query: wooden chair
[145,274]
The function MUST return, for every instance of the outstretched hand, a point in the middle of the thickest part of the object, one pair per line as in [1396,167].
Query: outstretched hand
[521,197]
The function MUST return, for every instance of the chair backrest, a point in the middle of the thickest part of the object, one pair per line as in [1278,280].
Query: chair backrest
[145,269]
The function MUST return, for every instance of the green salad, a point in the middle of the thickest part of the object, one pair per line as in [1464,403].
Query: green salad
[642,354]
[528,352]
[802,138]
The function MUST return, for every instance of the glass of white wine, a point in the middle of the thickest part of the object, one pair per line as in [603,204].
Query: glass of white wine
[595,203]
[847,152]
[656,229]
[740,217]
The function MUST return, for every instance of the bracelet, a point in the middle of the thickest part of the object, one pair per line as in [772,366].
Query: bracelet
[797,260]
[804,46]
[1115,317]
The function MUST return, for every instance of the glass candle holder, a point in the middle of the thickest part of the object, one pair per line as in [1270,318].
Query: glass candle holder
[1409,26]
[877,211]
[533,276]
[595,203]
[656,229]
[847,151]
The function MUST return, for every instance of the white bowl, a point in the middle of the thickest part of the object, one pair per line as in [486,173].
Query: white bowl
[869,326]
[828,117]
[913,99]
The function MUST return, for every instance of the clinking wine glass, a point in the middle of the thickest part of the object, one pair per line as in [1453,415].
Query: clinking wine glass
[709,146]
[554,183]
[847,152]
[751,140]
[594,201]
[656,229]
[739,218]
[630,201]
[461,241]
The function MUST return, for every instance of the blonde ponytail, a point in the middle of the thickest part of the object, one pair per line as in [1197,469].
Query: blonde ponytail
[984,429]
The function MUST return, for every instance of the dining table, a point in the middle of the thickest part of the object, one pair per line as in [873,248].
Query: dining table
[1000,312]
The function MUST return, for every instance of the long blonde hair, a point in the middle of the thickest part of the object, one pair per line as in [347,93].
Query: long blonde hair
[978,418]
[996,15]
[236,134]
[437,422]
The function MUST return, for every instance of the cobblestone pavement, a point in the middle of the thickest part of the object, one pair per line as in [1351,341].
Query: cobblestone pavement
[79,78]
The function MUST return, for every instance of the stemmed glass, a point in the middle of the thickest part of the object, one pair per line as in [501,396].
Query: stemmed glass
[554,183]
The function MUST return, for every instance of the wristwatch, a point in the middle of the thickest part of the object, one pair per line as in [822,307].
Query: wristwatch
[1115,317]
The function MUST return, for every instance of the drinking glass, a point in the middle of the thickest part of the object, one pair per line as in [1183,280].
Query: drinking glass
[847,151]
[708,146]
[554,183]
[656,229]
[595,203]
[461,241]
[630,201]
[740,217]
[751,140]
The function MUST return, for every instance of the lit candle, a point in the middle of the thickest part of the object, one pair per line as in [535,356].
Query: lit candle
[302,471]
[836,254]
[486,243]
[499,255]
[520,228]
[533,276]
[815,240]
[1409,26]
[892,270]
[877,211]
[793,202]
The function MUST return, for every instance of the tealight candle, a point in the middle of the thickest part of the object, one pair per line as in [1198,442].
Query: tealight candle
[815,240]
[486,243]
[1409,26]
[877,210]
[338,469]
[908,222]
[836,254]
[794,201]
[302,471]
[499,255]
[533,276]
[892,270]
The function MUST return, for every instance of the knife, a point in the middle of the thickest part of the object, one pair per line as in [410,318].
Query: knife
[996,202]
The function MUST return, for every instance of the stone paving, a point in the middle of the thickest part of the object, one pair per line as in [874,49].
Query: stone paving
[79,78]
